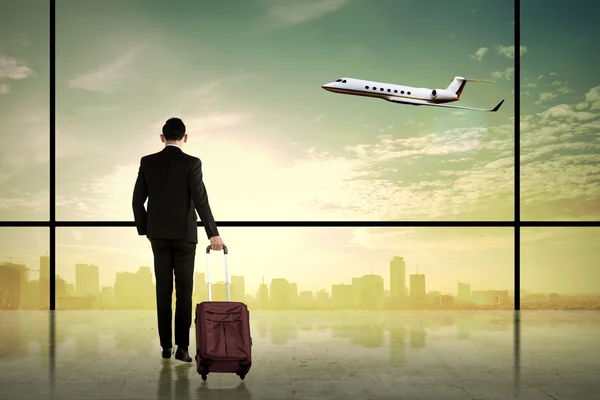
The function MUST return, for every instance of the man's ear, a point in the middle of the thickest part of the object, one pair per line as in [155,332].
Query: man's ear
[185,138]
[162,138]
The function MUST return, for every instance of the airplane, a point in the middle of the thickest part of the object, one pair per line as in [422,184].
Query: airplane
[406,94]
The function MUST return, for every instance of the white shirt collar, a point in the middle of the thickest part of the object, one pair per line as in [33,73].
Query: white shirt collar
[172,144]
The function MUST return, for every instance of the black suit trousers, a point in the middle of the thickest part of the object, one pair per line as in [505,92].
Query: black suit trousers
[174,257]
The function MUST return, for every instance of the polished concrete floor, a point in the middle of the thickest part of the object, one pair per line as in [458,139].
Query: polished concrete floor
[311,355]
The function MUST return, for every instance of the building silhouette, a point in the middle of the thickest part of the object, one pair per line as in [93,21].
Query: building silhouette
[137,291]
[87,280]
[417,287]
[464,292]
[397,278]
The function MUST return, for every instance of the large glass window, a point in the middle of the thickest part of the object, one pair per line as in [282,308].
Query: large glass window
[24,105]
[292,150]
[362,268]
[24,269]
[296,160]
[560,110]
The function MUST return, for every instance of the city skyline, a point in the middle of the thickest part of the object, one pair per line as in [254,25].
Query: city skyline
[560,260]
[377,161]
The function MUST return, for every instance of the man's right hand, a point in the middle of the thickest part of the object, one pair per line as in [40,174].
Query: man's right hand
[216,243]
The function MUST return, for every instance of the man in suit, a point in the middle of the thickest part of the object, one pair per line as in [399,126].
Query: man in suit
[172,182]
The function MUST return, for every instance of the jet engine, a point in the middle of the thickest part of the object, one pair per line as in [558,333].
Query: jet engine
[440,94]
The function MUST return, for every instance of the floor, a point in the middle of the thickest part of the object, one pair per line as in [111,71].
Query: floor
[443,355]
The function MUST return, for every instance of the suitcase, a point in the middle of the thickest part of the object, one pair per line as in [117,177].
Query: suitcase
[223,341]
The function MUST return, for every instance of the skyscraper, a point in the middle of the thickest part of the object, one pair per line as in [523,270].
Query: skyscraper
[397,277]
[238,288]
[44,283]
[464,292]
[87,280]
[417,286]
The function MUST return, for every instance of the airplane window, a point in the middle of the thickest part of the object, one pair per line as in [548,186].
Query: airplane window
[389,90]
[395,91]
[374,88]
[366,87]
[344,81]
[402,92]
[408,93]
[338,80]
[381,89]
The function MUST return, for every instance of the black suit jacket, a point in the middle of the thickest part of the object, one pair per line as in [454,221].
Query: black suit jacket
[172,182]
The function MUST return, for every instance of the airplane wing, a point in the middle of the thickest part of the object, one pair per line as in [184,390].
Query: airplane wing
[415,102]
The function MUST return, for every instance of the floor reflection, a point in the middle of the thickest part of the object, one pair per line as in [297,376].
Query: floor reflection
[374,355]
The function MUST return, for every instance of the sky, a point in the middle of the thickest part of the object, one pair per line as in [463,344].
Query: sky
[245,77]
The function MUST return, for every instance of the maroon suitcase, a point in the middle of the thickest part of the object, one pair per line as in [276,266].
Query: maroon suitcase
[223,341]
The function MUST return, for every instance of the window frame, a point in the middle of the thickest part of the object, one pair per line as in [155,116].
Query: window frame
[516,223]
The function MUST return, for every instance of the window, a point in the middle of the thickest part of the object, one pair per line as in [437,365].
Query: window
[408,93]
[72,213]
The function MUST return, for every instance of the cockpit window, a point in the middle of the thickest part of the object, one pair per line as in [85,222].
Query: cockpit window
[338,80]
[344,81]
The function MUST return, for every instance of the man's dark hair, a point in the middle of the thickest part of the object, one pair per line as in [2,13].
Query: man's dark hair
[174,129]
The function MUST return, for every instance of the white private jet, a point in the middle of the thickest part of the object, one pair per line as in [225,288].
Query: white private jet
[406,94]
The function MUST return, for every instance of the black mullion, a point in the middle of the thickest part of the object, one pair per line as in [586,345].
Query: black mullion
[517,146]
[291,224]
[52,222]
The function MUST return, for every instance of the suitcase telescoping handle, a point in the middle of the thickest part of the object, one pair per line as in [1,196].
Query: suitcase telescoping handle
[225,252]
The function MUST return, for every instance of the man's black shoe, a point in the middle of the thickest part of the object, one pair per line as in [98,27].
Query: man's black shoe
[166,352]
[183,355]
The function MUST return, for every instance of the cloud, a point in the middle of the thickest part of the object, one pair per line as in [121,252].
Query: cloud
[12,68]
[4,88]
[506,74]
[352,183]
[560,162]
[108,77]
[592,100]
[530,85]
[480,53]
[566,111]
[546,96]
[291,12]
[509,51]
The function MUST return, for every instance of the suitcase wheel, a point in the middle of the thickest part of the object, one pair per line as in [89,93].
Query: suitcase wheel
[241,375]
[204,377]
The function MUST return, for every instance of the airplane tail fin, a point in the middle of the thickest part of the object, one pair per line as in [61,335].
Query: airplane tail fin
[458,84]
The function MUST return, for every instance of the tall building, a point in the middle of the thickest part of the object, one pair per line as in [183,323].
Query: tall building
[134,291]
[44,283]
[293,293]
[370,290]
[13,280]
[238,288]
[87,280]
[342,297]
[464,292]
[263,294]
[45,267]
[280,295]
[417,287]
[397,277]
